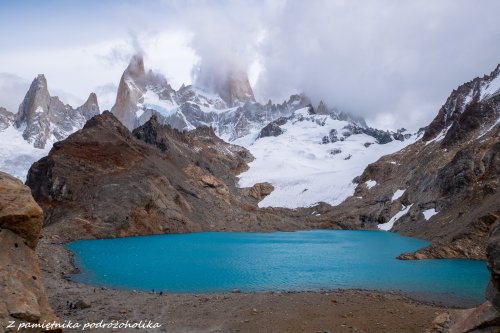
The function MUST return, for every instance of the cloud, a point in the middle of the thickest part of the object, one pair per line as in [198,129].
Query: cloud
[393,62]
[106,95]
[224,37]
[12,91]
[13,88]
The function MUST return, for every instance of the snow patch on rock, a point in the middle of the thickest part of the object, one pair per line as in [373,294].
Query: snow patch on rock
[429,213]
[440,136]
[388,225]
[397,194]
[370,183]
[491,89]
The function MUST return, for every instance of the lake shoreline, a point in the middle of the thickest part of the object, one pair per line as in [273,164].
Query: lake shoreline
[340,260]
[339,310]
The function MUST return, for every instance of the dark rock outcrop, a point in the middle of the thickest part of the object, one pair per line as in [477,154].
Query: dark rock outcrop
[104,181]
[381,137]
[22,294]
[273,128]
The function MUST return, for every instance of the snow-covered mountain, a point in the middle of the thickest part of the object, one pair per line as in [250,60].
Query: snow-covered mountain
[41,120]
[309,154]
[225,103]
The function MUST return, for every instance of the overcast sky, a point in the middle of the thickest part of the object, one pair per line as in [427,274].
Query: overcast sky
[393,62]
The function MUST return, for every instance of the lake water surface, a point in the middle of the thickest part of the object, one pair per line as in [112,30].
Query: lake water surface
[291,261]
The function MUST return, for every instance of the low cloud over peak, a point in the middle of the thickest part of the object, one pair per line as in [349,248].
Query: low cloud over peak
[393,62]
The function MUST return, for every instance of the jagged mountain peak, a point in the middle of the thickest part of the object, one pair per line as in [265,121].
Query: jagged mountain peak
[90,108]
[135,69]
[36,101]
[44,118]
[40,82]
[236,88]
[92,99]
[136,89]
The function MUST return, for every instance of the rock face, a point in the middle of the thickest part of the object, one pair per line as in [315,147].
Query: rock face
[135,91]
[22,294]
[260,190]
[46,119]
[105,181]
[130,91]
[449,183]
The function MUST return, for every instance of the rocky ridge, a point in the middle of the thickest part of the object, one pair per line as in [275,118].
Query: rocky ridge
[105,181]
[274,128]
[22,294]
[41,120]
[444,187]
[465,96]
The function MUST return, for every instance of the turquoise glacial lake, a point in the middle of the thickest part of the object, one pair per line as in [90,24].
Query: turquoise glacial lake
[279,261]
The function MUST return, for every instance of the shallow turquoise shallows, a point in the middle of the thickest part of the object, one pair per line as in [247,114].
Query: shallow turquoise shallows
[295,261]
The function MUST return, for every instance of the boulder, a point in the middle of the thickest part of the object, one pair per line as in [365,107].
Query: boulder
[18,211]
[22,294]
[273,128]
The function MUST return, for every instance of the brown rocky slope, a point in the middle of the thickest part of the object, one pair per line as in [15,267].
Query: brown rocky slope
[453,171]
[22,294]
[104,181]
